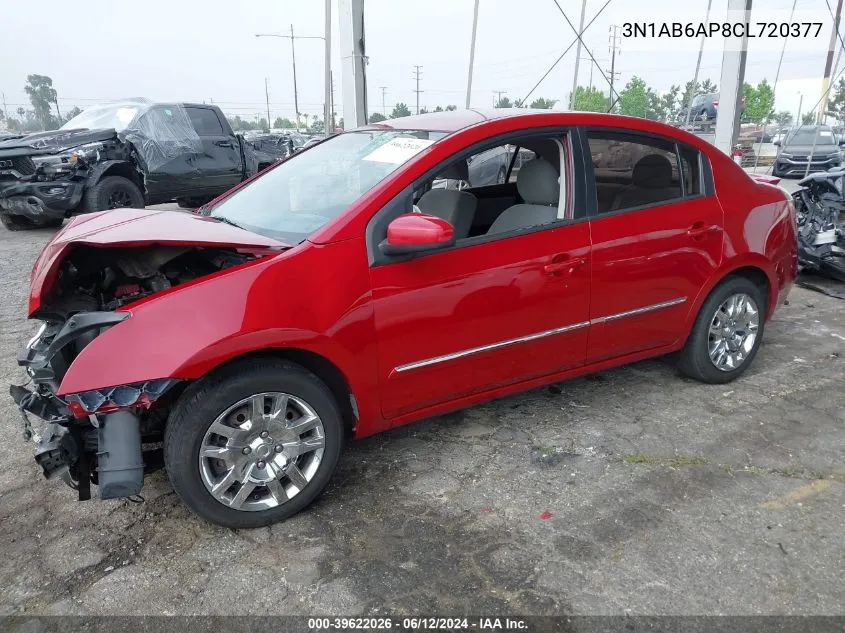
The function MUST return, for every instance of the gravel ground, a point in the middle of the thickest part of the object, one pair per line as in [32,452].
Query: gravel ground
[630,491]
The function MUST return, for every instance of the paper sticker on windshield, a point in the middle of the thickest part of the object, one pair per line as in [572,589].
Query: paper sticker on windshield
[397,150]
[125,115]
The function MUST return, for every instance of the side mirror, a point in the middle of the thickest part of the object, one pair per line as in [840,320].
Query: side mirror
[776,143]
[417,233]
[842,141]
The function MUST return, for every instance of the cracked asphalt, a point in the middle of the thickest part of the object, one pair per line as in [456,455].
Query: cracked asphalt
[631,491]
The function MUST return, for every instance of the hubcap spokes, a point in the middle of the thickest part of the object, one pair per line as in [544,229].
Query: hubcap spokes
[261,451]
[733,331]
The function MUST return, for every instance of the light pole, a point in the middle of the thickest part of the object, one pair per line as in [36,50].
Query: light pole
[292,39]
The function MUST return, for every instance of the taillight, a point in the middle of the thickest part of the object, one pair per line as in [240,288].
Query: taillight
[715,103]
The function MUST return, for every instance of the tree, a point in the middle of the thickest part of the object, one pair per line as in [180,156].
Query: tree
[42,96]
[759,100]
[808,118]
[74,111]
[836,105]
[708,86]
[543,104]
[438,109]
[377,117]
[503,102]
[590,100]
[317,126]
[668,104]
[637,99]
[451,108]
[782,118]
[423,111]
[285,124]
[400,110]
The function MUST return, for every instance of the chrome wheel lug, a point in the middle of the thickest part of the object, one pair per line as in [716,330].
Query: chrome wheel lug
[264,434]
[261,463]
[247,450]
[279,448]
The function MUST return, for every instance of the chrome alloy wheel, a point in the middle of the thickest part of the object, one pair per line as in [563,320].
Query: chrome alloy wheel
[733,331]
[262,451]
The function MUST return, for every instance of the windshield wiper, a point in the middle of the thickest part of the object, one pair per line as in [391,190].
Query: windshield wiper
[226,220]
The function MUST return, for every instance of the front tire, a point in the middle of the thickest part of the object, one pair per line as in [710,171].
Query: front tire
[727,332]
[254,443]
[113,192]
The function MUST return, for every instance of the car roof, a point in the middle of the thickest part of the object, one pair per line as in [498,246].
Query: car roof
[459,119]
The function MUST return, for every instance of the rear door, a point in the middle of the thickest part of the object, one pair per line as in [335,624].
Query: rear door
[220,166]
[657,233]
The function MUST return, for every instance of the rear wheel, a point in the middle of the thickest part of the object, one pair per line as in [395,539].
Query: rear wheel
[253,444]
[726,334]
[113,192]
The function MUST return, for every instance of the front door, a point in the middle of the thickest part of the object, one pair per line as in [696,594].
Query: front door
[220,165]
[491,311]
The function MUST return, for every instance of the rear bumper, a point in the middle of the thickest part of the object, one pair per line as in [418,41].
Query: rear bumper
[41,200]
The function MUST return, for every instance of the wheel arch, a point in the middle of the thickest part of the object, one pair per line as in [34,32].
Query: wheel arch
[120,168]
[317,364]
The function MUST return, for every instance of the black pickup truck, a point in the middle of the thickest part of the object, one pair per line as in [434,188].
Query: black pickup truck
[126,154]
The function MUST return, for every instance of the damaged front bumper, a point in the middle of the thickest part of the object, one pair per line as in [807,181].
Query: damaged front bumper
[42,200]
[90,437]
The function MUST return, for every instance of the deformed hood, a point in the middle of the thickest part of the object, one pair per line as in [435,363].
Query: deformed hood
[133,228]
[54,141]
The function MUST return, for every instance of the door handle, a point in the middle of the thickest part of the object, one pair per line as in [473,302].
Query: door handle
[564,266]
[700,229]
[223,143]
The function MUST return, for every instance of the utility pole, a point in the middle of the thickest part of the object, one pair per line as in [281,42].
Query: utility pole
[327,70]
[267,99]
[498,94]
[828,64]
[293,59]
[472,52]
[698,64]
[418,91]
[578,57]
[59,114]
[332,110]
[383,106]
[614,49]
[5,111]
[800,103]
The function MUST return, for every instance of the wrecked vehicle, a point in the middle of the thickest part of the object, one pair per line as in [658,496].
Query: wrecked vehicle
[819,205]
[340,294]
[125,154]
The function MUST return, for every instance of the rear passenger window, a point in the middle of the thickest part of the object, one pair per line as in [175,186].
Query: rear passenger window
[632,171]
[205,122]
[691,170]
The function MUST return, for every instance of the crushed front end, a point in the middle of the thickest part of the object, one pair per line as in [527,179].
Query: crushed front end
[819,207]
[109,436]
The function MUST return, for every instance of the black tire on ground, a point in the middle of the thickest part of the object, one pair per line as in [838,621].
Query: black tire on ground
[112,192]
[694,359]
[21,223]
[203,401]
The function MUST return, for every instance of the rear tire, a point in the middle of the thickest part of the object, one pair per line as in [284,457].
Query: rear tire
[210,417]
[113,192]
[696,359]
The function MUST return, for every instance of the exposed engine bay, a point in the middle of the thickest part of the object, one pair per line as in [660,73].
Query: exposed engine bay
[821,232]
[108,278]
[109,436]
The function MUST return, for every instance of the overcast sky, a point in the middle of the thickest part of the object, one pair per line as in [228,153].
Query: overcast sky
[205,50]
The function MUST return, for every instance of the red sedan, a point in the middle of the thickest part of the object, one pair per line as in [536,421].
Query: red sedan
[383,276]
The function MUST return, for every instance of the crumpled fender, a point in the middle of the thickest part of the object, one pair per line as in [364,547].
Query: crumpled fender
[188,330]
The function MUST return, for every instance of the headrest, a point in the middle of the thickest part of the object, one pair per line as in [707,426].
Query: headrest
[456,171]
[652,172]
[537,183]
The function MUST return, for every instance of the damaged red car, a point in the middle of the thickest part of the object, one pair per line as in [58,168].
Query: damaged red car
[385,275]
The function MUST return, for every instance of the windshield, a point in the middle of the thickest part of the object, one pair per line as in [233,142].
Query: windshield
[805,137]
[104,117]
[293,200]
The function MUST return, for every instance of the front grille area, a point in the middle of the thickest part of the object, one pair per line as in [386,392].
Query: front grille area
[24,165]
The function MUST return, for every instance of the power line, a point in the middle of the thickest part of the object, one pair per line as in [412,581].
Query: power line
[418,91]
